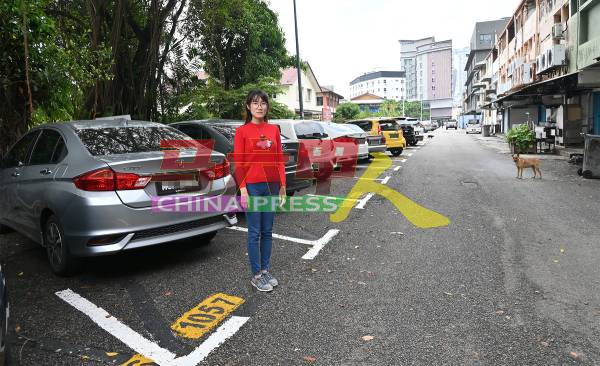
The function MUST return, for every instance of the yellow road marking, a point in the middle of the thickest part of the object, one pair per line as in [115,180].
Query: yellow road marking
[197,322]
[205,316]
[418,215]
[139,360]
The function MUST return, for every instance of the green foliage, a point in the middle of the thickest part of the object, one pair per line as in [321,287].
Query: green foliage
[346,111]
[229,104]
[239,41]
[522,137]
[413,109]
[389,108]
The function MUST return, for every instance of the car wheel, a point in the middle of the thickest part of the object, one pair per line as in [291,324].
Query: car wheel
[587,174]
[60,259]
[396,152]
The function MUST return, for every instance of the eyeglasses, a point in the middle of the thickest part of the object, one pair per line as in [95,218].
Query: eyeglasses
[259,104]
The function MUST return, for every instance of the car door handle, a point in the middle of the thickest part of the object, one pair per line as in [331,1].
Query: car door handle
[15,174]
[46,171]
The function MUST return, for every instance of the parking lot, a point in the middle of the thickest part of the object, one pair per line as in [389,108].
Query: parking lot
[372,289]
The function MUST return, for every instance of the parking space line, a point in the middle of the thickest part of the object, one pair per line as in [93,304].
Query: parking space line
[385,180]
[319,244]
[148,351]
[410,154]
[336,198]
[397,168]
[371,179]
[316,245]
[112,325]
[361,204]
[277,236]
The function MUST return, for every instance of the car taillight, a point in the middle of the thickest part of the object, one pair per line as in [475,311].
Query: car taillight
[218,171]
[379,130]
[108,180]
[346,139]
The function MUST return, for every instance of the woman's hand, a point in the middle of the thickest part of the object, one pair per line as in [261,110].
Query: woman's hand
[244,197]
[282,196]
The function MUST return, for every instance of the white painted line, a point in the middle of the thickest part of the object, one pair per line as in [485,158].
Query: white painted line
[319,244]
[117,329]
[402,160]
[363,202]
[385,180]
[224,332]
[322,196]
[397,168]
[276,236]
[144,346]
[411,154]
[371,179]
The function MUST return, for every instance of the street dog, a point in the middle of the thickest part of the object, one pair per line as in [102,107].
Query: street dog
[523,163]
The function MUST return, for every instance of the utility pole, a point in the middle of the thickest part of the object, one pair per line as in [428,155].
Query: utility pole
[421,110]
[298,65]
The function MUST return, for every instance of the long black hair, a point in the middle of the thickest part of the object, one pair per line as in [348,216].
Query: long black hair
[256,95]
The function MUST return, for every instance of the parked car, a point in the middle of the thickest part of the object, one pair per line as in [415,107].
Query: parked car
[473,126]
[316,148]
[222,133]
[4,315]
[386,127]
[346,135]
[428,126]
[452,124]
[364,149]
[413,133]
[85,188]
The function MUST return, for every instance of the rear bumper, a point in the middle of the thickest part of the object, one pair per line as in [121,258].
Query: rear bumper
[377,148]
[88,216]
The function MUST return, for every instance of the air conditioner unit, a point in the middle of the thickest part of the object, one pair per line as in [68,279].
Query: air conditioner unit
[510,70]
[556,56]
[527,73]
[558,31]
[541,64]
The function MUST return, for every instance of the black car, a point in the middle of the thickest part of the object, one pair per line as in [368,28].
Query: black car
[409,134]
[222,132]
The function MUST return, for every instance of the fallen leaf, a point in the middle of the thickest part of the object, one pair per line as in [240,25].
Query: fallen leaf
[367,338]
[111,354]
[370,274]
[562,250]
[168,293]
[448,293]
[84,357]
[361,283]
[556,261]
[500,312]
[314,269]
[576,356]
[20,274]
[18,328]
[545,344]
[310,359]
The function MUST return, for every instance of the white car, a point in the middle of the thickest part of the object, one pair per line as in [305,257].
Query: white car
[473,126]
[335,130]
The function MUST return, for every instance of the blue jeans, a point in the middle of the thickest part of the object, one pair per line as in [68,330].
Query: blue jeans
[260,228]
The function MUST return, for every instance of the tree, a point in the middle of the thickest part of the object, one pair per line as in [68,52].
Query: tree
[346,111]
[413,109]
[229,104]
[389,108]
[239,41]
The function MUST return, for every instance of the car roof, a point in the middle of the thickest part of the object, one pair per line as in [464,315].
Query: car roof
[106,123]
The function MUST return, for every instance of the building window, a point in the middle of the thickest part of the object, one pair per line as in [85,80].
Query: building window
[308,95]
[319,101]
[485,37]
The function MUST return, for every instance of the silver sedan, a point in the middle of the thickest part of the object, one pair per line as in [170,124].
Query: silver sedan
[87,188]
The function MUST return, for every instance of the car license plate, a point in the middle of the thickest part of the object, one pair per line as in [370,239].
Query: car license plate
[393,135]
[172,187]
[317,151]
[339,151]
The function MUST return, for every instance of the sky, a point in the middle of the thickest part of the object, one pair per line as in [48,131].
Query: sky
[343,39]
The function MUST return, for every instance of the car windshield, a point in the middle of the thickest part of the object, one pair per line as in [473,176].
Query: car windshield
[473,122]
[309,130]
[125,140]
[388,126]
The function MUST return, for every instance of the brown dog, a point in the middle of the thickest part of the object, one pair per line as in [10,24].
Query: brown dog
[523,163]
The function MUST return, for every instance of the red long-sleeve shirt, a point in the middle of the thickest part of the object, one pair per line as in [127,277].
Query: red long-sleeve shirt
[258,154]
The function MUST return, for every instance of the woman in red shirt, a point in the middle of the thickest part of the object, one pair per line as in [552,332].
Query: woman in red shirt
[259,171]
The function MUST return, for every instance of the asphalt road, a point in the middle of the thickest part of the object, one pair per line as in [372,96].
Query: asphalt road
[513,280]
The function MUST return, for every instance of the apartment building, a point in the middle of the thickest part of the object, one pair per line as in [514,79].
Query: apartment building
[545,68]
[483,40]
[385,84]
[328,99]
[428,69]
[459,75]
